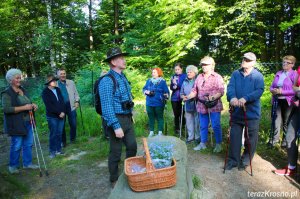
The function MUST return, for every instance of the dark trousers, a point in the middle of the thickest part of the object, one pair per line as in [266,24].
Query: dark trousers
[115,145]
[177,108]
[283,112]
[155,113]
[291,136]
[236,133]
[72,122]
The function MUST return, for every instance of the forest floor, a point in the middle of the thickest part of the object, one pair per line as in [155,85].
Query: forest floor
[81,174]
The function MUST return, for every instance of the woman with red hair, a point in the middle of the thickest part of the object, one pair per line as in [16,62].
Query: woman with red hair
[156,91]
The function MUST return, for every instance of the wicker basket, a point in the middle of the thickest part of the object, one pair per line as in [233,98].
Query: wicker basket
[152,178]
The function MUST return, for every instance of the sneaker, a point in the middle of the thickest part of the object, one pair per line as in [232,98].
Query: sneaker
[285,171]
[59,153]
[151,134]
[242,166]
[189,141]
[218,148]
[229,166]
[13,170]
[52,155]
[200,147]
[160,133]
[31,166]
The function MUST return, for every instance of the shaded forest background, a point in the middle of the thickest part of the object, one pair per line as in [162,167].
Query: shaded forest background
[39,36]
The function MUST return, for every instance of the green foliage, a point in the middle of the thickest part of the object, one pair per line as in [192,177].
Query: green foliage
[197,182]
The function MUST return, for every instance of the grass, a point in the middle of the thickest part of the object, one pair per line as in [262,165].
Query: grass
[197,182]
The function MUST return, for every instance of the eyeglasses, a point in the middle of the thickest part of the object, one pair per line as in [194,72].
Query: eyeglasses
[286,62]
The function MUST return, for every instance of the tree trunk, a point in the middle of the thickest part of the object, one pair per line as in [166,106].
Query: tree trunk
[91,26]
[116,20]
[50,26]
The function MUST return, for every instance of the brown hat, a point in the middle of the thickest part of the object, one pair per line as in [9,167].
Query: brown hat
[50,78]
[249,55]
[114,52]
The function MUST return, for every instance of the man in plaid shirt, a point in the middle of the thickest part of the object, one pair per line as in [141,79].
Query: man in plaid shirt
[117,105]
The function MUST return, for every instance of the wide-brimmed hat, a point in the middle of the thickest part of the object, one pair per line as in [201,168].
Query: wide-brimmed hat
[49,79]
[249,55]
[114,52]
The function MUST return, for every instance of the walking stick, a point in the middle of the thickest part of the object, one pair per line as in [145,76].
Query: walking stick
[228,135]
[273,116]
[181,120]
[247,138]
[81,118]
[37,140]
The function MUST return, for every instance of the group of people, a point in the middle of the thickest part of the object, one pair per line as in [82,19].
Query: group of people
[61,99]
[201,94]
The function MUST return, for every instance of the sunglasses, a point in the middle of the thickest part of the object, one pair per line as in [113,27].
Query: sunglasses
[246,60]
[204,64]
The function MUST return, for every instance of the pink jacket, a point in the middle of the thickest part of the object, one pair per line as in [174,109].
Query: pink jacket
[287,87]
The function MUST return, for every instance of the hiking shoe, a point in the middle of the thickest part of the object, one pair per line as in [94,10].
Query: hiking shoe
[242,166]
[151,134]
[285,171]
[218,148]
[200,147]
[229,166]
[31,166]
[52,155]
[160,133]
[189,141]
[59,153]
[13,170]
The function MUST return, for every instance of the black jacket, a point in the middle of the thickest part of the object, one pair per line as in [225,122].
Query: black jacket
[14,123]
[53,106]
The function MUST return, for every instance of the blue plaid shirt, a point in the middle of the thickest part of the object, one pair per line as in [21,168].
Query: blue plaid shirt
[111,100]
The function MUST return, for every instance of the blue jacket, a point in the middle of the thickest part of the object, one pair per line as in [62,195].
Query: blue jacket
[186,88]
[159,89]
[250,88]
[176,91]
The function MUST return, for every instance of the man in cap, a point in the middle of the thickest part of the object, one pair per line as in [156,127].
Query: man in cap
[244,90]
[117,105]
[71,99]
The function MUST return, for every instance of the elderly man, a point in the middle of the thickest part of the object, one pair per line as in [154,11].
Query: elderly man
[117,105]
[71,99]
[244,90]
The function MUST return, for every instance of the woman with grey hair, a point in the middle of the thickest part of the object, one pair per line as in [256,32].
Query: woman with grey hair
[16,106]
[190,104]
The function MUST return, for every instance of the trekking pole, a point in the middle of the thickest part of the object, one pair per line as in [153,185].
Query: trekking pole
[39,143]
[247,138]
[36,151]
[81,118]
[228,135]
[273,117]
[181,121]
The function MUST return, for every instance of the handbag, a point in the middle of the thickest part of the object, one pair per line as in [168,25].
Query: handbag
[209,103]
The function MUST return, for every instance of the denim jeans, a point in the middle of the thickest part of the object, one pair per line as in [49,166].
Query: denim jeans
[56,127]
[72,122]
[24,142]
[215,119]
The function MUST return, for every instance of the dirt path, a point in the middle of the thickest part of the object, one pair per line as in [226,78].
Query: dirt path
[238,184]
[90,180]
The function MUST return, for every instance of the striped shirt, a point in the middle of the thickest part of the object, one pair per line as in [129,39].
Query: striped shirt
[112,98]
[212,85]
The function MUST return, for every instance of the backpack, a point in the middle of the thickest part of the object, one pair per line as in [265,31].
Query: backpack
[96,92]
